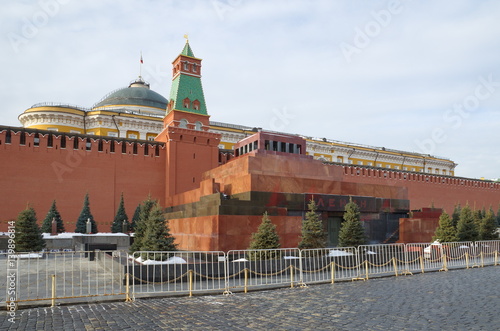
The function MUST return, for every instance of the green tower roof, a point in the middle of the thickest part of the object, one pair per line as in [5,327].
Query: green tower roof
[187,50]
[185,85]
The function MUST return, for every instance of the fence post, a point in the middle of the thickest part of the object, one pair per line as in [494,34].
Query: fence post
[422,264]
[53,290]
[332,267]
[395,266]
[291,276]
[246,278]
[127,287]
[445,264]
[467,259]
[366,266]
[190,273]
[496,257]
[482,260]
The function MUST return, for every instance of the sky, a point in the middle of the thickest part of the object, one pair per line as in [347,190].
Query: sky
[418,76]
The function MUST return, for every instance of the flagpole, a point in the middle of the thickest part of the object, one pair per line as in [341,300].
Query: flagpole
[140,66]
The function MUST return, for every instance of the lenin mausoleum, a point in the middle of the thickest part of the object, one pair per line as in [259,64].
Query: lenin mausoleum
[215,180]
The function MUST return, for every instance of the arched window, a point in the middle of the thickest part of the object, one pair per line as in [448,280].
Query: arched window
[183,123]
[198,125]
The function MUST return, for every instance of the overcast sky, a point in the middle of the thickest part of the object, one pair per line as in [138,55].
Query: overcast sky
[420,76]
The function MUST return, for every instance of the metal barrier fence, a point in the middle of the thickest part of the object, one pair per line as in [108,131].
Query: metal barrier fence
[57,277]
[68,276]
[262,267]
[167,272]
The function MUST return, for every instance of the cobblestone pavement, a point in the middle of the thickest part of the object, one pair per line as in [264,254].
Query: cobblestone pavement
[454,300]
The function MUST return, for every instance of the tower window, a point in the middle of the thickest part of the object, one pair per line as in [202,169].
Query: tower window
[186,66]
[195,69]
[183,123]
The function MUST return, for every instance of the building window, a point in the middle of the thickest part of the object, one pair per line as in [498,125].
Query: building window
[349,161]
[369,164]
[195,69]
[36,140]
[340,159]
[63,141]
[112,134]
[360,162]
[388,166]
[185,66]
[112,146]
[8,137]
[151,138]
[183,123]
[50,140]
[198,126]
[132,136]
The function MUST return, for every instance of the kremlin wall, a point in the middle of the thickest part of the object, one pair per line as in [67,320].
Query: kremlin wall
[215,180]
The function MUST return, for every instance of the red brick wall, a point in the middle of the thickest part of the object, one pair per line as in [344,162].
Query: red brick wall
[38,175]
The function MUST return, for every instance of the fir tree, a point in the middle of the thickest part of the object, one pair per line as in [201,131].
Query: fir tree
[135,218]
[81,223]
[266,237]
[498,215]
[51,215]
[140,225]
[477,215]
[445,231]
[351,233]
[120,218]
[313,234]
[488,227]
[456,215]
[466,228]
[29,237]
[157,235]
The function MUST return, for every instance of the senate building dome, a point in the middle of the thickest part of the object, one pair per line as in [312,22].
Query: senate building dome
[137,96]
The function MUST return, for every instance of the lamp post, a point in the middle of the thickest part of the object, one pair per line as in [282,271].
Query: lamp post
[125,226]
[89,226]
[54,227]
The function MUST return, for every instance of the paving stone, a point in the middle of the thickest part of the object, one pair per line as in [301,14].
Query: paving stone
[453,300]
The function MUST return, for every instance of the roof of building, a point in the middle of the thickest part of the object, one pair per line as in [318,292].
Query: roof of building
[187,50]
[137,93]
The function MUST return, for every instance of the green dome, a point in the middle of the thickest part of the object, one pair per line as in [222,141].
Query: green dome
[136,94]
